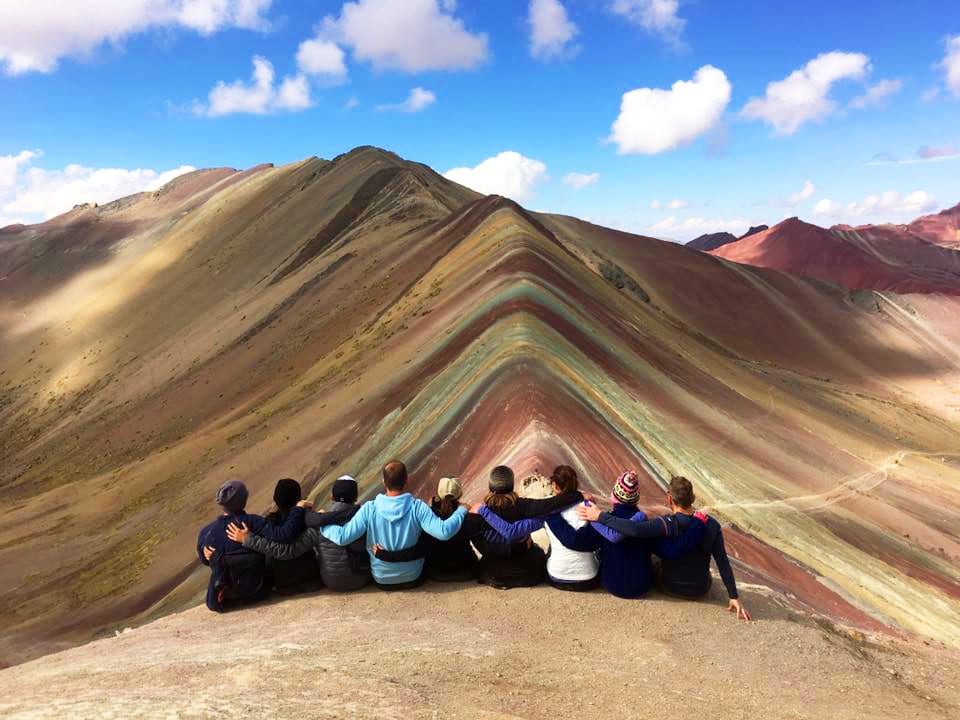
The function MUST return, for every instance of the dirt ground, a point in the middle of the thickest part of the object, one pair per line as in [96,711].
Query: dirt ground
[467,651]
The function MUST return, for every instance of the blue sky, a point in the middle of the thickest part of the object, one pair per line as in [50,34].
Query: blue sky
[106,97]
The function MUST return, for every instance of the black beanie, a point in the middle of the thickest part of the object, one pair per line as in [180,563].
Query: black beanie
[287,493]
[232,496]
[501,480]
[344,489]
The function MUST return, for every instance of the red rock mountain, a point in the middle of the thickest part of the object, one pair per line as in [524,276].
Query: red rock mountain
[942,228]
[914,258]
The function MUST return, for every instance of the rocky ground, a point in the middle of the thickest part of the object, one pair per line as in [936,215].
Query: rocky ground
[466,651]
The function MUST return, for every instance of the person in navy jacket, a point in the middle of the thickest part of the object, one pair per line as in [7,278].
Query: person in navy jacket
[237,574]
[683,574]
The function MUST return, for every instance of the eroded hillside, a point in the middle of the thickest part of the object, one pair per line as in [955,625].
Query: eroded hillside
[321,317]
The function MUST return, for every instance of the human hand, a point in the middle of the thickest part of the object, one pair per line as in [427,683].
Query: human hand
[376,549]
[739,609]
[589,497]
[475,508]
[208,552]
[306,504]
[238,533]
[590,513]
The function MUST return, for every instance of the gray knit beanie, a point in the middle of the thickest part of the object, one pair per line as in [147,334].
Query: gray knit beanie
[232,496]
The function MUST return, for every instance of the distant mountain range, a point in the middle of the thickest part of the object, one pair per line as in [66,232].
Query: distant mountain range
[712,241]
[922,257]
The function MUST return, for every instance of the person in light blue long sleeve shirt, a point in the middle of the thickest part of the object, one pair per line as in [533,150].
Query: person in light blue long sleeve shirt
[394,521]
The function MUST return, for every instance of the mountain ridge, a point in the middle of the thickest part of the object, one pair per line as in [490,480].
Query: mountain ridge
[457,332]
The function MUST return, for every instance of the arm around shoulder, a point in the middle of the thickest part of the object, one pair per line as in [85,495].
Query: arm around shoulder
[283,551]
[353,530]
[433,525]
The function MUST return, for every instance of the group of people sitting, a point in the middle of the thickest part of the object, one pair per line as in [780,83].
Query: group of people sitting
[398,541]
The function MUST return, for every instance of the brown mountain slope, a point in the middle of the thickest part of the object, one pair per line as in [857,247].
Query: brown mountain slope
[322,317]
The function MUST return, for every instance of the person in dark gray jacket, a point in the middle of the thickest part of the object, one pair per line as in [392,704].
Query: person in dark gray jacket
[341,568]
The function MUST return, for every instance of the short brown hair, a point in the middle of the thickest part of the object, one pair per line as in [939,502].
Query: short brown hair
[565,478]
[395,475]
[681,490]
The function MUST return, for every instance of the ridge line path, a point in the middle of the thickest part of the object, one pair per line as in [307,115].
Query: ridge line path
[847,489]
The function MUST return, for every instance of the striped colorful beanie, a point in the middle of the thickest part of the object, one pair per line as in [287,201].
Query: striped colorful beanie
[627,488]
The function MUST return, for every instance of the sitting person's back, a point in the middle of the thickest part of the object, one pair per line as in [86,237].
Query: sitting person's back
[508,562]
[342,569]
[394,521]
[625,566]
[687,574]
[452,560]
[568,568]
[298,574]
[237,574]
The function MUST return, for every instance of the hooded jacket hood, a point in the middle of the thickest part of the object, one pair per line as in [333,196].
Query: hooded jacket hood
[395,523]
[393,508]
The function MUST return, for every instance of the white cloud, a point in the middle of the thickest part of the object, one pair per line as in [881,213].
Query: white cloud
[653,120]
[293,94]
[509,174]
[656,16]
[827,208]
[10,167]
[417,100]
[36,34]
[406,35]
[258,97]
[352,102]
[951,65]
[578,181]
[32,194]
[802,194]
[877,208]
[694,226]
[930,94]
[876,94]
[322,59]
[804,94]
[551,30]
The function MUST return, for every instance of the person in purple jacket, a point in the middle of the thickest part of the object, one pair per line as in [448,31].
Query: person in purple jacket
[626,570]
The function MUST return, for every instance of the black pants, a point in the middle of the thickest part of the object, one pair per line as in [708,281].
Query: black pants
[409,585]
[576,585]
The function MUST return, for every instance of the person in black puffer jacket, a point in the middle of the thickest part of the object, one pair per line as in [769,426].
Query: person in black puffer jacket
[299,574]
[341,568]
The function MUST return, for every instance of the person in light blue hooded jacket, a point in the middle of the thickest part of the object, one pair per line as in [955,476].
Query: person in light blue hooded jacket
[394,521]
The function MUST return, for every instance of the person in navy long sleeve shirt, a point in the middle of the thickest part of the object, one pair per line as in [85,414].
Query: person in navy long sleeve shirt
[686,573]
[237,574]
